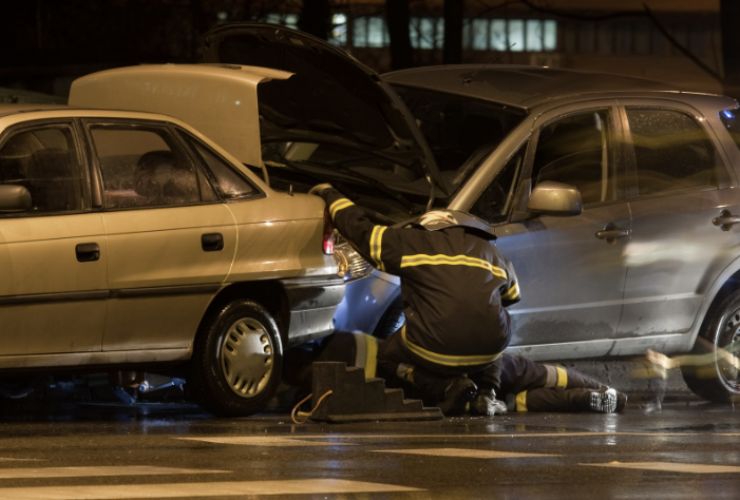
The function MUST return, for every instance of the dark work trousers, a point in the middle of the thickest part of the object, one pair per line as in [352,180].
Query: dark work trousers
[530,386]
[425,380]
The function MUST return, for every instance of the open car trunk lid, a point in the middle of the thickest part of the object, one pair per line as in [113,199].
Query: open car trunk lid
[220,101]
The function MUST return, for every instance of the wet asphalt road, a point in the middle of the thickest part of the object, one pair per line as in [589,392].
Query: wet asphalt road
[689,449]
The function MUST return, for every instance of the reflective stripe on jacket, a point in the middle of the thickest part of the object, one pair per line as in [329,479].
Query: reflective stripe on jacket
[454,284]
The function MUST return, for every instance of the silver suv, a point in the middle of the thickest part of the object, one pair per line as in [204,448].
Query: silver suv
[649,256]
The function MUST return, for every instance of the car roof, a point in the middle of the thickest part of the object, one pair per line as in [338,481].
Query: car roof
[9,109]
[524,86]
[61,110]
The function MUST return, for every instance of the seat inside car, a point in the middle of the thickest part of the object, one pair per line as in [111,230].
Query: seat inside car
[574,153]
[161,180]
[13,167]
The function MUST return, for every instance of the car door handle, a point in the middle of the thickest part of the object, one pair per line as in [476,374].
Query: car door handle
[725,220]
[87,252]
[611,232]
[212,242]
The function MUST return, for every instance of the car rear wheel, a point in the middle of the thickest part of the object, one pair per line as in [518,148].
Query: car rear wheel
[713,371]
[237,360]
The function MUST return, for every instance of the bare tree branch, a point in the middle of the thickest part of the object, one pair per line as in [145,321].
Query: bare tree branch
[683,50]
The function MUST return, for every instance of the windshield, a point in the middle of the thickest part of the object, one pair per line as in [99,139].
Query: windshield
[461,131]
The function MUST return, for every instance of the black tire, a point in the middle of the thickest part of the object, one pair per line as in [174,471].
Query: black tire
[237,360]
[713,376]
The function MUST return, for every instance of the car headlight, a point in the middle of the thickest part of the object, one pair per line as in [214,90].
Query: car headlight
[351,265]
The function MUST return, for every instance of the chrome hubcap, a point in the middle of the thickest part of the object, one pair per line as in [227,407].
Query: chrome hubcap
[246,357]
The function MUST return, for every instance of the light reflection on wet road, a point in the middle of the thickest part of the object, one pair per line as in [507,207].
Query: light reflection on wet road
[688,450]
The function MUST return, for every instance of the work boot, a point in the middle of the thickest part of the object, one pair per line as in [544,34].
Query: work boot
[607,401]
[486,404]
[458,393]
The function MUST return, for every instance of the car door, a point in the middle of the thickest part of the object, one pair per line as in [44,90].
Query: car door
[171,240]
[53,256]
[570,269]
[679,184]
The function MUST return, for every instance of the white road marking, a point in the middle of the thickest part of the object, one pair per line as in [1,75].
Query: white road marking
[264,441]
[188,490]
[465,453]
[9,459]
[672,467]
[97,471]
[335,439]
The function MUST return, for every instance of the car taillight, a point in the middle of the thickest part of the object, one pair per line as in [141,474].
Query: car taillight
[328,239]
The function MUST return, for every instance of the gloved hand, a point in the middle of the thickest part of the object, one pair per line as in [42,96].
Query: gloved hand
[486,404]
[320,188]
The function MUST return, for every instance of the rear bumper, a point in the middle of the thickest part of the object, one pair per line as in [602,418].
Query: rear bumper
[312,303]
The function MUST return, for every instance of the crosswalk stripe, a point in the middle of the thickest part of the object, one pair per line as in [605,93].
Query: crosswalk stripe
[336,439]
[465,453]
[187,490]
[263,441]
[672,467]
[97,471]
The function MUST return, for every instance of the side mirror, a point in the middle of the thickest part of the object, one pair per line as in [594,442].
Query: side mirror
[14,198]
[554,198]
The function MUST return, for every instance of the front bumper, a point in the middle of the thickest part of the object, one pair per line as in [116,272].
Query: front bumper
[312,303]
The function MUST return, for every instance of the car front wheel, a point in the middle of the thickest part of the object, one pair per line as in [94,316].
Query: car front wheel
[712,370]
[237,360]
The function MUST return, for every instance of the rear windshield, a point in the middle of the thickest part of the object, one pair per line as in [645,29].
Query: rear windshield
[461,131]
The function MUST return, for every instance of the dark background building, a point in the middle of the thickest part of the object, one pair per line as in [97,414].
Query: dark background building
[47,43]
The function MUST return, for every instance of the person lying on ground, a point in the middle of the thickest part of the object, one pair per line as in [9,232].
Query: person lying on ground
[525,385]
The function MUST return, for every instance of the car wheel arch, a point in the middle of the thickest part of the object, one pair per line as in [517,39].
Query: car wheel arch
[717,380]
[723,285]
[269,293]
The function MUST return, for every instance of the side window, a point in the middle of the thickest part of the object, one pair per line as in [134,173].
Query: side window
[142,167]
[45,161]
[493,204]
[575,151]
[672,151]
[230,183]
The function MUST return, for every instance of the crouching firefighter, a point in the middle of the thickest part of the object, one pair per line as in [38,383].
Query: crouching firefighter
[455,286]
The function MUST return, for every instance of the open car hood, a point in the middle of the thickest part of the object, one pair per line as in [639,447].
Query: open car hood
[330,94]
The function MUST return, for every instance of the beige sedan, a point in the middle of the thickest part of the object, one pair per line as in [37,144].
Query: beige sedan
[129,239]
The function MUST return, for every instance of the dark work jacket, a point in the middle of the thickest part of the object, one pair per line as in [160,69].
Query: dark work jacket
[454,284]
